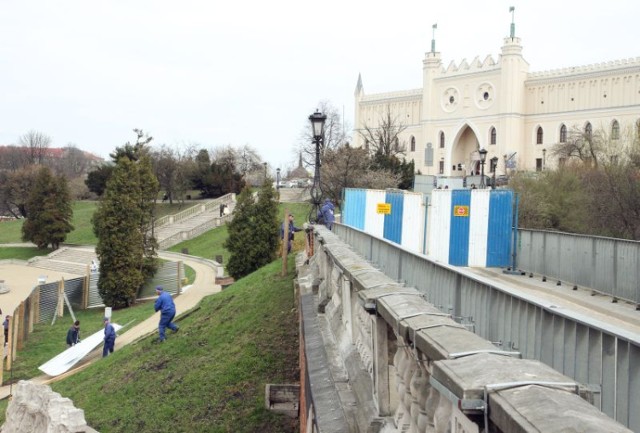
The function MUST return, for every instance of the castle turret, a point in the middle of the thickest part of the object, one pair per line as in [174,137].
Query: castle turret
[513,74]
[431,66]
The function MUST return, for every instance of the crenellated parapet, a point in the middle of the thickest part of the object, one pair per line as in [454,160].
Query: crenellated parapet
[464,67]
[614,66]
[389,97]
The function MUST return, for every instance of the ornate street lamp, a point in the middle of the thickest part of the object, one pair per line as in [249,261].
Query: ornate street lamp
[483,158]
[494,168]
[317,128]
[278,179]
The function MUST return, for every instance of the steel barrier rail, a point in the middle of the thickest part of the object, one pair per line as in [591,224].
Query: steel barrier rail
[589,351]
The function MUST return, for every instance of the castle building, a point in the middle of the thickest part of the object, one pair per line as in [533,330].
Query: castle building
[516,115]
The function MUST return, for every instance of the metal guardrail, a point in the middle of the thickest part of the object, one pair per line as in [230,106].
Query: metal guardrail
[589,351]
[606,265]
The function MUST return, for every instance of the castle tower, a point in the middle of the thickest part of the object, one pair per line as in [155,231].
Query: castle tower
[431,66]
[514,70]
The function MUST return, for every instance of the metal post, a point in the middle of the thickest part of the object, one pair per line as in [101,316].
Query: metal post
[482,183]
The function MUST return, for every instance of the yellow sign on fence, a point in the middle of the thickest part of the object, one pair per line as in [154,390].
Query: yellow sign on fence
[461,211]
[384,208]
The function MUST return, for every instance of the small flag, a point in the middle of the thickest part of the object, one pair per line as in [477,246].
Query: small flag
[435,26]
[512,8]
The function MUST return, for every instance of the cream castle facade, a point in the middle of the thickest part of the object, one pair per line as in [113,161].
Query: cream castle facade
[516,115]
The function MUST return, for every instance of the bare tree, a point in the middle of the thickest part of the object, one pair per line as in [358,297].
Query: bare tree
[334,134]
[37,145]
[72,163]
[585,146]
[13,158]
[350,167]
[385,138]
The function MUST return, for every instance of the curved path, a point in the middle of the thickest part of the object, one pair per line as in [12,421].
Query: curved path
[203,285]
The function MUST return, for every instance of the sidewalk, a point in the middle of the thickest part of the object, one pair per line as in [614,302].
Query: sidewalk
[203,286]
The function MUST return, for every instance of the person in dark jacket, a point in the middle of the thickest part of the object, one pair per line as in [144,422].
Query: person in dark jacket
[292,230]
[5,325]
[109,338]
[167,309]
[326,211]
[73,334]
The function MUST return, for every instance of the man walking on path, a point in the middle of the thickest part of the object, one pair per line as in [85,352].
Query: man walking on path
[109,338]
[167,309]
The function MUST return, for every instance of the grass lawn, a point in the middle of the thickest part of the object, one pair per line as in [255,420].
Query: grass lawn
[21,253]
[210,244]
[209,377]
[47,341]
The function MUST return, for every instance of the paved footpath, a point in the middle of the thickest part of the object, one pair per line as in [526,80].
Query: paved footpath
[203,285]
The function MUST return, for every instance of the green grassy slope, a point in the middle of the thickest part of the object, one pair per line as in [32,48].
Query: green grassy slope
[210,376]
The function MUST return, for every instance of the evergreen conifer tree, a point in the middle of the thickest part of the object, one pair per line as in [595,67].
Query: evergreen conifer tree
[241,236]
[49,211]
[253,233]
[123,224]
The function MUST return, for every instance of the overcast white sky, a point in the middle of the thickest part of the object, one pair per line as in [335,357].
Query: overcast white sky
[251,72]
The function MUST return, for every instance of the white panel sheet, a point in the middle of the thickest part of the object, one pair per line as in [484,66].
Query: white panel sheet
[70,357]
[440,225]
[373,221]
[478,227]
[413,221]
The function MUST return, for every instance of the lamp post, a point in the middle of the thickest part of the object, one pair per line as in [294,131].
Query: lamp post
[494,168]
[317,127]
[265,170]
[483,158]
[544,159]
[278,179]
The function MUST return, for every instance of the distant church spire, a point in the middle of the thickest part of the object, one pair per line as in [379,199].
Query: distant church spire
[513,23]
[359,85]
[433,37]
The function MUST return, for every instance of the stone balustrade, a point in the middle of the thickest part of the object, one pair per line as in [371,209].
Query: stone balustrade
[412,368]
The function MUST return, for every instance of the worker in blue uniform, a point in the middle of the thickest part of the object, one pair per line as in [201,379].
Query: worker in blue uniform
[109,338]
[167,309]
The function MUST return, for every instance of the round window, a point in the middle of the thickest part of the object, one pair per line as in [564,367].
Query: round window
[486,96]
[451,99]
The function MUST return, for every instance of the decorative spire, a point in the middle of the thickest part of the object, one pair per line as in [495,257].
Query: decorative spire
[433,37]
[513,23]
[359,87]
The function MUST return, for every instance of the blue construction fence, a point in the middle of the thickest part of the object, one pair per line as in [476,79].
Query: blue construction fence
[459,227]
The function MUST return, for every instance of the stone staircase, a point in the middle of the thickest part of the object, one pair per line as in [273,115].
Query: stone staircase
[170,230]
[294,195]
[193,221]
[73,260]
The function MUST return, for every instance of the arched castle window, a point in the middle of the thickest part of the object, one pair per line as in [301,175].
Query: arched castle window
[441,139]
[539,135]
[563,133]
[615,130]
[413,143]
[492,135]
[588,129]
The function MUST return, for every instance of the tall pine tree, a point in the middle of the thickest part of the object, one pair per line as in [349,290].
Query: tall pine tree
[49,211]
[253,232]
[123,222]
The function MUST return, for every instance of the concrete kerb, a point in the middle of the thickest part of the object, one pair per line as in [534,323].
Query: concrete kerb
[203,285]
